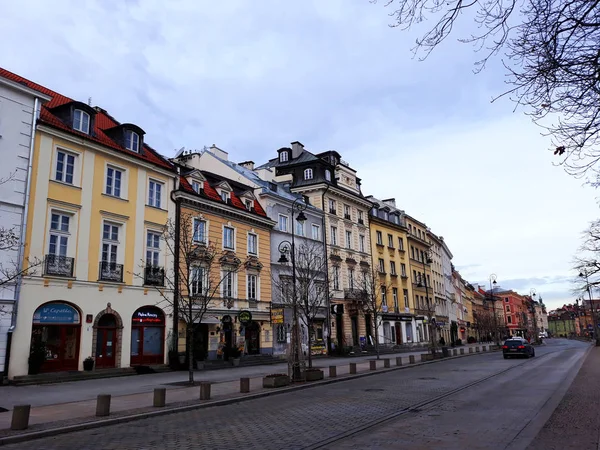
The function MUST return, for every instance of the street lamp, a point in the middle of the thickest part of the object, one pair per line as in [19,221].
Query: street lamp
[423,283]
[493,283]
[285,247]
[532,294]
[584,274]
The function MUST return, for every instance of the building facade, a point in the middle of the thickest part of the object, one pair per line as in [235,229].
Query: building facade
[389,239]
[98,204]
[442,319]
[19,109]
[330,184]
[227,220]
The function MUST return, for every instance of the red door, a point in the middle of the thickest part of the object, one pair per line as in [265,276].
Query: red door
[105,348]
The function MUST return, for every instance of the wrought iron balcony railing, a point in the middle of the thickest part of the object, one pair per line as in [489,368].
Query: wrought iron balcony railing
[110,271]
[59,266]
[154,276]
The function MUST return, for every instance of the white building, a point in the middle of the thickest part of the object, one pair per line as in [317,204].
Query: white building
[19,108]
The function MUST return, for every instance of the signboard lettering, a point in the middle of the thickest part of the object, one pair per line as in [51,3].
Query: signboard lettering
[149,315]
[245,317]
[277,315]
[57,313]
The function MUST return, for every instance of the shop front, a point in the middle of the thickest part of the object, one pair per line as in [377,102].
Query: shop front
[147,336]
[56,331]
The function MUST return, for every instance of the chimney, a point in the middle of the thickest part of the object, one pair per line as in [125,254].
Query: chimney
[297,149]
[390,202]
[247,165]
[218,152]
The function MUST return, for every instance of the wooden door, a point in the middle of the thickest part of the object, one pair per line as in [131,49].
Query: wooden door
[105,348]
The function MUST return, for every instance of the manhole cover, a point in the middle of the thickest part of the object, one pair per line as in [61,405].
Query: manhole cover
[374,390]
[427,378]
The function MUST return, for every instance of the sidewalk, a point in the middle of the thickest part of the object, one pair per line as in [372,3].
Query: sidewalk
[132,398]
[575,423]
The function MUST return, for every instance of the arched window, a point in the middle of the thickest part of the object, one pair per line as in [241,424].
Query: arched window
[81,121]
[132,141]
[308,174]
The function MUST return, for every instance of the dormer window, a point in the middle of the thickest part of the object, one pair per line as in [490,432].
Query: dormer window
[283,157]
[197,186]
[249,205]
[308,174]
[132,141]
[328,175]
[224,196]
[81,121]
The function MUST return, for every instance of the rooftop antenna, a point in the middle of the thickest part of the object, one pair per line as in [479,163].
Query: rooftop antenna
[89,101]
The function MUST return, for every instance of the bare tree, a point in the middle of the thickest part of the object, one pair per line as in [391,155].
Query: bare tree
[11,270]
[551,55]
[311,290]
[204,276]
[374,293]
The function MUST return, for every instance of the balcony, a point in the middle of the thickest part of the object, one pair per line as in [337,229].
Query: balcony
[347,217]
[361,222]
[332,211]
[154,276]
[59,266]
[111,272]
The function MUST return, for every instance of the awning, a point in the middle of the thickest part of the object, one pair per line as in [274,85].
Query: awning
[208,320]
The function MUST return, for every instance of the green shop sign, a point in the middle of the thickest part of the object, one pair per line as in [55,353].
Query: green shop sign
[245,317]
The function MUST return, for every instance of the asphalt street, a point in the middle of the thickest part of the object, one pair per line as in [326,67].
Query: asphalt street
[476,402]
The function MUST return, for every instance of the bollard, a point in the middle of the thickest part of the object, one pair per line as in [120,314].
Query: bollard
[484,348]
[462,351]
[160,397]
[411,359]
[244,385]
[386,363]
[398,360]
[20,417]
[470,349]
[372,365]
[454,352]
[103,405]
[204,390]
[352,368]
[424,357]
[332,371]
[477,349]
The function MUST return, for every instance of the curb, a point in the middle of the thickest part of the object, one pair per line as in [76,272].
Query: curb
[178,409]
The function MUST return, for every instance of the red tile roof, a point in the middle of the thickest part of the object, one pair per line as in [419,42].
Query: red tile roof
[211,193]
[102,121]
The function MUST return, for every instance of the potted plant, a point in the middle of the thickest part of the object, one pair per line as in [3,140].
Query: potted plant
[276,380]
[88,364]
[37,356]
[235,354]
[314,374]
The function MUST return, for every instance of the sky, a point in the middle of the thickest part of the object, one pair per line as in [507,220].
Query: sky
[254,76]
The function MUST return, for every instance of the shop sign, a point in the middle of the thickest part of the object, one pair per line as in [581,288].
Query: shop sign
[406,319]
[245,317]
[226,319]
[148,315]
[57,313]
[277,315]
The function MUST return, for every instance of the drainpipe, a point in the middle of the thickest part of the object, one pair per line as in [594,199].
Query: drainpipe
[21,251]
[176,275]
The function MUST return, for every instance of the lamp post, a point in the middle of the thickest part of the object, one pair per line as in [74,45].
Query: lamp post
[428,260]
[532,294]
[584,274]
[285,247]
[493,282]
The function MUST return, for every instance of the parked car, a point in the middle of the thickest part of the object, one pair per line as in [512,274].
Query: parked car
[543,334]
[517,347]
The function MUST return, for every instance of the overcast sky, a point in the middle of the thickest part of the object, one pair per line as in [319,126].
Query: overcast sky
[253,76]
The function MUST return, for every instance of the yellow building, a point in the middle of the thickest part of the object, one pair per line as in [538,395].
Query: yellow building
[228,219]
[419,260]
[98,201]
[389,239]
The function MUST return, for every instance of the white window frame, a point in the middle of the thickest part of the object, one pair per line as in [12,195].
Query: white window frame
[155,201]
[347,211]
[379,236]
[111,190]
[64,174]
[332,206]
[349,239]
[390,241]
[383,296]
[403,269]
[395,298]
[336,278]
[333,237]
[327,174]
[114,245]
[129,141]
[381,265]
[225,195]
[196,238]
[300,230]
[284,156]
[393,268]
[250,236]
[81,128]
[199,279]
[224,282]
[197,186]
[287,221]
[361,242]
[350,278]
[308,174]
[316,232]
[61,234]
[249,278]
[227,227]
[153,249]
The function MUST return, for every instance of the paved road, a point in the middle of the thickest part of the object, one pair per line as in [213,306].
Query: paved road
[475,402]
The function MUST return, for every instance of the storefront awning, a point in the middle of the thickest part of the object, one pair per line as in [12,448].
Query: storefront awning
[208,320]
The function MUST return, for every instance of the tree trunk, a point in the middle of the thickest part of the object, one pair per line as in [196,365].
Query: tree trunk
[376,335]
[309,344]
[190,352]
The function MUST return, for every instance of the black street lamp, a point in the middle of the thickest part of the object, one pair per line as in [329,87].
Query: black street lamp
[285,247]
[423,283]
[532,294]
[493,283]
[584,274]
